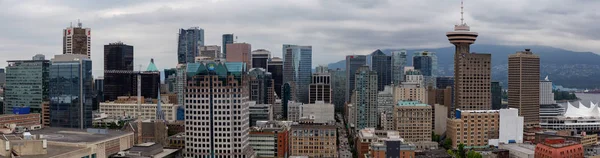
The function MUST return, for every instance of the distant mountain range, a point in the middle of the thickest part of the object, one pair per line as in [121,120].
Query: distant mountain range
[567,68]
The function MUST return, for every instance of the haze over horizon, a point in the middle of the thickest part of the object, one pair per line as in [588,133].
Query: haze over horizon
[334,28]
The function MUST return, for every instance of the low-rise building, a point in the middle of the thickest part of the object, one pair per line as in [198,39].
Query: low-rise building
[177,141]
[54,142]
[413,120]
[440,115]
[558,147]
[294,111]
[29,121]
[519,150]
[270,139]
[393,146]
[365,137]
[319,112]
[473,128]
[148,150]
[148,131]
[569,135]
[579,118]
[313,140]
[46,113]
[511,126]
[127,106]
[175,127]
[260,112]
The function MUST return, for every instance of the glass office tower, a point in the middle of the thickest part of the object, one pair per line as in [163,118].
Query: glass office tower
[71,91]
[297,69]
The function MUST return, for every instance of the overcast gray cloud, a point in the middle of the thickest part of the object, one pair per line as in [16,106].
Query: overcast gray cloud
[334,28]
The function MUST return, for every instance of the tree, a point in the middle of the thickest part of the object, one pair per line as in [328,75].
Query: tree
[461,150]
[452,153]
[447,143]
[435,137]
[473,154]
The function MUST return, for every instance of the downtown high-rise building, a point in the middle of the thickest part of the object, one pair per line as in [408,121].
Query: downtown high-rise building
[297,69]
[365,98]
[524,86]
[26,84]
[275,67]
[217,110]
[188,44]
[118,56]
[472,71]
[71,91]
[77,40]
[210,52]
[338,86]
[239,52]
[398,64]
[320,88]
[260,58]
[261,86]
[382,64]
[227,39]
[426,62]
[546,94]
[353,62]
[496,90]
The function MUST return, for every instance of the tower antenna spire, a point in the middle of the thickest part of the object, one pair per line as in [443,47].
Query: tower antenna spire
[462,20]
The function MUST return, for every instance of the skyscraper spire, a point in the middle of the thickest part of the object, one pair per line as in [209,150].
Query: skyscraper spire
[462,20]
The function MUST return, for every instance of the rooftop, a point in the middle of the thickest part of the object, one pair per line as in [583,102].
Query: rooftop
[523,148]
[52,150]
[71,135]
[479,111]
[410,103]
[308,126]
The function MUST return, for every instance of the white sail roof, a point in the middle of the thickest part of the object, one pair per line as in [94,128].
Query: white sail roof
[582,111]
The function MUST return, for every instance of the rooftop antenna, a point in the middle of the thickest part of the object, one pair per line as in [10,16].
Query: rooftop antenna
[78,23]
[462,20]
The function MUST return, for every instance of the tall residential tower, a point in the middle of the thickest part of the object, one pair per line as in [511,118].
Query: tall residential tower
[365,98]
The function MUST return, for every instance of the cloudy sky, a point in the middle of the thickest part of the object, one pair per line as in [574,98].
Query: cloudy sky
[334,28]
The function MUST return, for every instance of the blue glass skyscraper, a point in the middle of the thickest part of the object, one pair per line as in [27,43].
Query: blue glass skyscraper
[297,69]
[227,39]
[426,62]
[398,64]
[71,91]
[382,64]
[188,44]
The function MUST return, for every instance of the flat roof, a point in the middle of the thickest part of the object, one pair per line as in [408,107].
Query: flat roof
[52,150]
[523,148]
[72,135]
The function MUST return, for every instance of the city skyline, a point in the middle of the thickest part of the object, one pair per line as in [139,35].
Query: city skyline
[318,22]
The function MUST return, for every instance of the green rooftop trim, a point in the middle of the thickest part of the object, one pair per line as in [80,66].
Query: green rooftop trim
[410,103]
[216,68]
[151,66]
